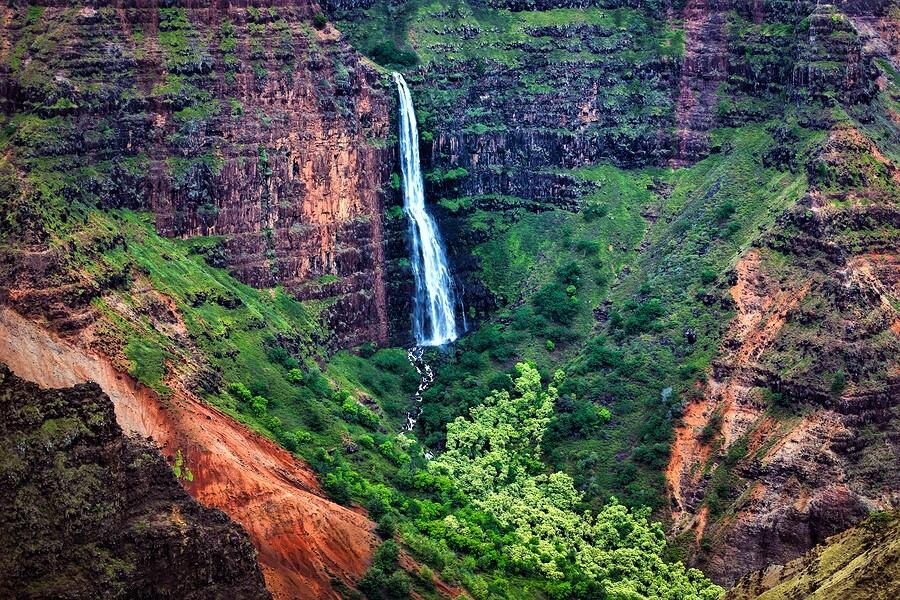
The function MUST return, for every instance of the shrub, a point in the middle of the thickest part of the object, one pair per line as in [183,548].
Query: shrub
[838,382]
[278,355]
[393,360]
[354,412]
[710,430]
[388,450]
[592,212]
[295,376]
[553,302]
[240,392]
[600,356]
[337,487]
[258,406]
[387,526]
[288,440]
[707,276]
[579,418]
[320,20]
[387,556]
[569,273]
[398,585]
[652,455]
[274,424]
[640,316]
[386,52]
[587,247]
[725,211]
[426,576]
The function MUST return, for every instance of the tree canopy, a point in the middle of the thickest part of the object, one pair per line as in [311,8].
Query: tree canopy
[493,456]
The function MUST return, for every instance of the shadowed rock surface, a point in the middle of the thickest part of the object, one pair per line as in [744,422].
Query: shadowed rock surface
[862,563]
[91,513]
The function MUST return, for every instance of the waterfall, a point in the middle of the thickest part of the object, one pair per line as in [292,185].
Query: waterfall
[434,322]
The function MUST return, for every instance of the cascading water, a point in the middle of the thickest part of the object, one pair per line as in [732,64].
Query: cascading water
[426,378]
[434,321]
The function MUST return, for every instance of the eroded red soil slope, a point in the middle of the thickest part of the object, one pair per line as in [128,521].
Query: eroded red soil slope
[302,538]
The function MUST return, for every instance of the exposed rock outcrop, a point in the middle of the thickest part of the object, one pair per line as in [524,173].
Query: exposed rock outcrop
[703,67]
[862,563]
[224,120]
[777,456]
[91,513]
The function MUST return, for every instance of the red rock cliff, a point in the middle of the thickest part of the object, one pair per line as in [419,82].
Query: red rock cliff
[303,540]
[230,120]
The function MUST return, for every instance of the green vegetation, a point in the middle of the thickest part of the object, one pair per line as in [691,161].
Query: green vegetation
[340,420]
[634,361]
[385,579]
[180,468]
[148,362]
[542,486]
[494,458]
[469,49]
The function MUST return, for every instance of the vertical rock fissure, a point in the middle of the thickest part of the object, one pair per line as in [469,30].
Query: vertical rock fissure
[434,319]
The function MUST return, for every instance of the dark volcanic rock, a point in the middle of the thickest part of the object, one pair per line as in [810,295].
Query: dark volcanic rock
[90,513]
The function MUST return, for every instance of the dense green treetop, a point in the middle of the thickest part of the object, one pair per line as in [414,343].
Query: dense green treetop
[493,456]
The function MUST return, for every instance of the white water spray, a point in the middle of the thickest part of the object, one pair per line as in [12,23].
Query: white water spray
[434,322]
[426,378]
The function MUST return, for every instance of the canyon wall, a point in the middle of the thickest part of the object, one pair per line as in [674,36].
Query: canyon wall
[308,546]
[256,133]
[796,435]
[515,103]
[241,122]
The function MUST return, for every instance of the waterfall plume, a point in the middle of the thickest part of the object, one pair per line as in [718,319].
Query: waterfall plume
[434,321]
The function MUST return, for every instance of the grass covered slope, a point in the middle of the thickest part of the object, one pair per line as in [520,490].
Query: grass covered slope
[623,297]
[862,563]
[175,321]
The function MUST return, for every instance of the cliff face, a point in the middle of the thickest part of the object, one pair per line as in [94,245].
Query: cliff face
[89,512]
[703,67]
[308,547]
[240,122]
[786,444]
[861,563]
[795,438]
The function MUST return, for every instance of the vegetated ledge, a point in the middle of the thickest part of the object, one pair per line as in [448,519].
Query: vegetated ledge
[91,513]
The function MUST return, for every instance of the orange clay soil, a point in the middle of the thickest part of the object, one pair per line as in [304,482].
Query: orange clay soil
[762,309]
[303,539]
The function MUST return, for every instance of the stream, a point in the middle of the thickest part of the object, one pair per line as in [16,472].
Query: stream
[426,377]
